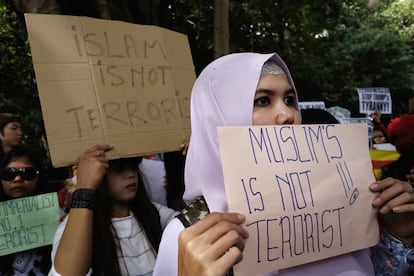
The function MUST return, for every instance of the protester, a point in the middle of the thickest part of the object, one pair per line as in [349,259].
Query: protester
[238,90]
[395,254]
[112,227]
[21,176]
[379,136]
[11,133]
[401,134]
[377,122]
[317,116]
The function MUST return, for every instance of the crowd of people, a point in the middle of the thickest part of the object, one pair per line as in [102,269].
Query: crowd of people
[111,226]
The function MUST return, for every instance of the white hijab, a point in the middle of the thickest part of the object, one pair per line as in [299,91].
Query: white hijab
[223,95]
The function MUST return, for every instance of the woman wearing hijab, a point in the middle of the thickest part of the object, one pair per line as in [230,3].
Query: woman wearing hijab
[237,90]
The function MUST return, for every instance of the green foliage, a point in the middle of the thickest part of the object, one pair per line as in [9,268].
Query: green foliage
[332,47]
[375,52]
[17,84]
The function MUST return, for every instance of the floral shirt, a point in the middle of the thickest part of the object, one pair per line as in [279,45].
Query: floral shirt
[392,257]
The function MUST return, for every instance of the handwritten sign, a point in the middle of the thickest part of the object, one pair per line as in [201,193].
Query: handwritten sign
[28,222]
[103,81]
[373,98]
[303,189]
[312,104]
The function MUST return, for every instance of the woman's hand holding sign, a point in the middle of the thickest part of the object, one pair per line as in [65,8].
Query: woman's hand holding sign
[212,245]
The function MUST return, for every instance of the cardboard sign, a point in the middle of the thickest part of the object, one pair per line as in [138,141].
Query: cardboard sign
[28,222]
[303,189]
[373,98]
[113,82]
[315,105]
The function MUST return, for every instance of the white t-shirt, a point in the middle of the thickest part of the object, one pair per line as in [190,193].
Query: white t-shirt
[137,256]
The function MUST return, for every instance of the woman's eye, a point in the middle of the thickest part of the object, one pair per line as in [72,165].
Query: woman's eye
[262,101]
[290,100]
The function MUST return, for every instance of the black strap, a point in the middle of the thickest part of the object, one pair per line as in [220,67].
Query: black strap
[194,212]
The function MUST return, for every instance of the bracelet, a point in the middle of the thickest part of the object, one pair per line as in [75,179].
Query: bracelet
[83,198]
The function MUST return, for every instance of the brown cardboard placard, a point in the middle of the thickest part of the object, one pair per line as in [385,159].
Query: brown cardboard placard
[303,189]
[103,81]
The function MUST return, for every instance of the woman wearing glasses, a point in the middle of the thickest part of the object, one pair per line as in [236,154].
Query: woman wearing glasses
[21,176]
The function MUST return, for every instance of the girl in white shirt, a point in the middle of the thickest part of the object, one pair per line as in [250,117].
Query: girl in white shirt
[112,228]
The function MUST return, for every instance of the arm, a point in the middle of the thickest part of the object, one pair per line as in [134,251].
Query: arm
[74,253]
[394,254]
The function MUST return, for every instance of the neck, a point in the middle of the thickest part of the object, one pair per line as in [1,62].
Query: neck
[120,210]
[6,147]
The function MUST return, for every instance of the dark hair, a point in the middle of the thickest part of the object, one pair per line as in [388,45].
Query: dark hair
[6,118]
[382,131]
[402,166]
[317,116]
[33,156]
[105,244]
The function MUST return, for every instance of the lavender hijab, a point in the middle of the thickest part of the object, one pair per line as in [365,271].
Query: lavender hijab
[223,95]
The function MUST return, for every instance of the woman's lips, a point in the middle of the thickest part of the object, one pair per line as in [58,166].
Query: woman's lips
[132,186]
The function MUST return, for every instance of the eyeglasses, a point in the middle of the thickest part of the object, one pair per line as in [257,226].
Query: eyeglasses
[28,173]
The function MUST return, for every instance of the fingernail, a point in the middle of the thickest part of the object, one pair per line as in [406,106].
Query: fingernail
[373,186]
[384,210]
[377,201]
[182,145]
[396,209]
[241,216]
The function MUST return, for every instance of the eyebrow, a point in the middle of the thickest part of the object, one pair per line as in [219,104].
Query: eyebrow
[270,92]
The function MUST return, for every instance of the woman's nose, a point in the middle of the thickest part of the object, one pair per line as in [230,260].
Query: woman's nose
[284,115]
[17,178]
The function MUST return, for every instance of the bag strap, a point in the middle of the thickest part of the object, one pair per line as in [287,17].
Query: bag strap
[194,212]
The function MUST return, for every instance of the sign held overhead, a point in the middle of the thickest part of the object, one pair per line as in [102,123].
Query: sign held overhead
[103,81]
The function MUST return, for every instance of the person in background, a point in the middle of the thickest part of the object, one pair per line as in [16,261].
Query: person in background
[317,116]
[21,176]
[401,134]
[112,227]
[377,122]
[244,89]
[379,136]
[394,254]
[11,133]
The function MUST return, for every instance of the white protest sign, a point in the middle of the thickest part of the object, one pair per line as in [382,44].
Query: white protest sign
[103,81]
[303,189]
[312,104]
[372,98]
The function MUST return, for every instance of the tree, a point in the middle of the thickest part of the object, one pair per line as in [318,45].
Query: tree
[17,84]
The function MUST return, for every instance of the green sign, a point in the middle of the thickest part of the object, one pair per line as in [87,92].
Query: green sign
[28,222]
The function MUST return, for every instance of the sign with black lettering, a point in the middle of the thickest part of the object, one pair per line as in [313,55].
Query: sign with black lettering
[103,81]
[303,189]
[374,98]
[28,222]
